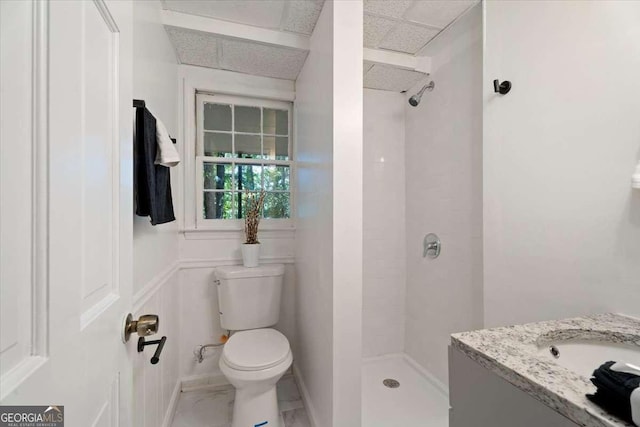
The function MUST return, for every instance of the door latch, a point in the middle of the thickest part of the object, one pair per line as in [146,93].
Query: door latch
[146,325]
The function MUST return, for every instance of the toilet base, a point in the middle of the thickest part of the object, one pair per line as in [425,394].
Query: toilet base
[252,409]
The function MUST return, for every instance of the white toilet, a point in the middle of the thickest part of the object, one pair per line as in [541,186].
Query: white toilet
[255,357]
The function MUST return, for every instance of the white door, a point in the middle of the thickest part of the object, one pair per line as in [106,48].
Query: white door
[66,207]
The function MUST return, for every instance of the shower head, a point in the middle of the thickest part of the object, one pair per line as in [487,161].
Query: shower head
[415,99]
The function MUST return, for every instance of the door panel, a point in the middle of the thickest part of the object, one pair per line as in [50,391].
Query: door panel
[79,205]
[99,135]
[23,192]
[16,181]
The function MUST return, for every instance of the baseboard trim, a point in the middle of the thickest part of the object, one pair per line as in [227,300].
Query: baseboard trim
[173,404]
[204,381]
[306,399]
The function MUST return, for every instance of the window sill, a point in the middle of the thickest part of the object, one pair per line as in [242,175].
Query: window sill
[272,232]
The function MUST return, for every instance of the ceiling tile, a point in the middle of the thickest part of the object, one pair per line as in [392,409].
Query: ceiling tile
[408,38]
[395,79]
[261,60]
[375,29]
[302,15]
[261,13]
[438,13]
[390,8]
[194,47]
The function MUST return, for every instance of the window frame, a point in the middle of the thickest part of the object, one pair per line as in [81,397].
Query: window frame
[201,99]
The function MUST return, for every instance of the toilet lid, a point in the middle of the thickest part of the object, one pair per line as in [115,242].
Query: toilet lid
[255,349]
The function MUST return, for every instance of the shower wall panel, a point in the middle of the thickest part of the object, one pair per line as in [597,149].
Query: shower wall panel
[444,196]
[383,313]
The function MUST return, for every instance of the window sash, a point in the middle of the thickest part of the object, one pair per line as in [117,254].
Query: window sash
[201,159]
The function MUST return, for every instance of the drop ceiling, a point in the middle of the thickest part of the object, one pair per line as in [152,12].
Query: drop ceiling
[298,16]
[408,25]
[212,51]
[396,26]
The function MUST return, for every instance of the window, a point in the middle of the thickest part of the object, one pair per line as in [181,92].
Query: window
[242,144]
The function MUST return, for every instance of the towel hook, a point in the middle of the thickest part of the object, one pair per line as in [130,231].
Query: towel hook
[501,88]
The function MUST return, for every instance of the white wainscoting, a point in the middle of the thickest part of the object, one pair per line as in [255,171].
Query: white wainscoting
[156,387]
[199,312]
[183,297]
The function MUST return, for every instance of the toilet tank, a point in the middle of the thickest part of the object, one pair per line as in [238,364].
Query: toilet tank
[249,298]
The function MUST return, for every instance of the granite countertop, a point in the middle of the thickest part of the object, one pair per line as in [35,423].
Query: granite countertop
[511,353]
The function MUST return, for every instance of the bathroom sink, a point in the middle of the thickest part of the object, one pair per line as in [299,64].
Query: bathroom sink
[584,356]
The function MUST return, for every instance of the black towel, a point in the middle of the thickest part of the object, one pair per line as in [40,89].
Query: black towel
[152,182]
[614,390]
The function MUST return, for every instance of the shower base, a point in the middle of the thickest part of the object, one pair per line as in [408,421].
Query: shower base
[417,401]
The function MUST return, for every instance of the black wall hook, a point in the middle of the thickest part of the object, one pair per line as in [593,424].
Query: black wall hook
[501,88]
[156,356]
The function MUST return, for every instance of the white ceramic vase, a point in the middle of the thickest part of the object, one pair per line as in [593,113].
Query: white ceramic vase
[250,254]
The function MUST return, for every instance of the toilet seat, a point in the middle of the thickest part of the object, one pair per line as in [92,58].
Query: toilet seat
[256,349]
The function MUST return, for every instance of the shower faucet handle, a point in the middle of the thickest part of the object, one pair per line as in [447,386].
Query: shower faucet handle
[431,246]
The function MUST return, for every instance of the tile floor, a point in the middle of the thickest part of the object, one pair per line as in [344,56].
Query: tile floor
[213,407]
[417,402]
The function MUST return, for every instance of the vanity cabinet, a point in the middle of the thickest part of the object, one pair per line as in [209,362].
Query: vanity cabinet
[480,398]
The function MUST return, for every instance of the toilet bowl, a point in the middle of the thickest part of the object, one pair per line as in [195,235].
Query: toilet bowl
[253,361]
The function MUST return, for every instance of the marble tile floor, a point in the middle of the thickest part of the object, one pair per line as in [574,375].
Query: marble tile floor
[213,407]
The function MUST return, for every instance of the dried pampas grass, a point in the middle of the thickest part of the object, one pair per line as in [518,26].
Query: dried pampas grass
[255,202]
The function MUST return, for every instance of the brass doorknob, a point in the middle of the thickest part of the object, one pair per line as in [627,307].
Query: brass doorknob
[146,325]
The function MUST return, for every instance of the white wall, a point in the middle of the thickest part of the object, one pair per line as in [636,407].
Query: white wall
[155,249]
[155,75]
[182,290]
[329,225]
[347,210]
[384,260]
[201,251]
[314,224]
[561,223]
[444,196]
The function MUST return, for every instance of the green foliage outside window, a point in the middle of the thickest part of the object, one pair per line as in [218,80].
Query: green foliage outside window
[244,132]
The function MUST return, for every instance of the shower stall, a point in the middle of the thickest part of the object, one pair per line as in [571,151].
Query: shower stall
[422,175]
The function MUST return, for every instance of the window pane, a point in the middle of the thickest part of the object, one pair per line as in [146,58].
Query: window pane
[217,117]
[217,144]
[247,119]
[276,205]
[248,177]
[275,122]
[217,176]
[276,178]
[276,147]
[248,146]
[218,205]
